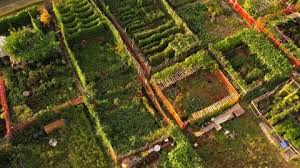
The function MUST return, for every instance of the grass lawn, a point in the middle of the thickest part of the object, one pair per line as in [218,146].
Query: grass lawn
[196,92]
[249,148]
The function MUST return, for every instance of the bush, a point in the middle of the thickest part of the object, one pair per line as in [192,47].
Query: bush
[27,44]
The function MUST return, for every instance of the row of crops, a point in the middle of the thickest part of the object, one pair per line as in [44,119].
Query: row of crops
[156,34]
[246,56]
[281,110]
[116,96]
[79,18]
[122,113]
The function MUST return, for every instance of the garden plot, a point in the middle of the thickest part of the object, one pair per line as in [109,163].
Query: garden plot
[191,88]
[247,64]
[195,92]
[120,102]
[109,77]
[281,111]
[291,30]
[160,40]
[245,57]
[36,74]
[209,20]
[76,143]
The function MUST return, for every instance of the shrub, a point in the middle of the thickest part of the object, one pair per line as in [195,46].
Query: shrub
[29,45]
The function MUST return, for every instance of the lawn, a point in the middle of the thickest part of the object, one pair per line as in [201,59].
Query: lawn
[248,148]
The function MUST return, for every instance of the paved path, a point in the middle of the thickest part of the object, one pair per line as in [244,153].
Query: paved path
[234,111]
[9,6]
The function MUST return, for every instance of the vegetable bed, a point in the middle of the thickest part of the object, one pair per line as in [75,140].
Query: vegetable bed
[192,92]
[36,74]
[281,109]
[109,78]
[155,33]
[291,29]
[76,147]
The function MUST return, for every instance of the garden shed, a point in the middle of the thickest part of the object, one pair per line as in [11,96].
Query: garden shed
[2,40]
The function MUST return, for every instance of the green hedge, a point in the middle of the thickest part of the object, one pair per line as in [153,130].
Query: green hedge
[18,20]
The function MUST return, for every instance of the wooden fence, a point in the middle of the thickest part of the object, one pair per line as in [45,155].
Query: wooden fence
[162,84]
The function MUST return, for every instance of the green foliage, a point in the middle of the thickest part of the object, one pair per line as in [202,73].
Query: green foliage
[30,45]
[201,60]
[183,155]
[80,19]
[22,113]
[77,145]
[277,65]
[18,20]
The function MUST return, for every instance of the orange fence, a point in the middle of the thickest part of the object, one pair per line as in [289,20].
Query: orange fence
[261,27]
[5,107]
[220,76]
[237,7]
[169,106]
[152,96]
[229,100]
